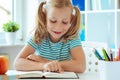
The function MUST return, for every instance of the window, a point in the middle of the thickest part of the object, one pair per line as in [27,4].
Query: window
[5,11]
[6,14]
[81,6]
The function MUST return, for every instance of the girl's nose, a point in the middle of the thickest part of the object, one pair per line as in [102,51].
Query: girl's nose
[58,26]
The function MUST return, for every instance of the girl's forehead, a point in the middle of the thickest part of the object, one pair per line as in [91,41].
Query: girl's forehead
[53,12]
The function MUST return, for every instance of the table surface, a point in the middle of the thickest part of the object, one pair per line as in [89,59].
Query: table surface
[83,76]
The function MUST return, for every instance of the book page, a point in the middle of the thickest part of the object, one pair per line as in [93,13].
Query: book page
[30,74]
[40,75]
[64,75]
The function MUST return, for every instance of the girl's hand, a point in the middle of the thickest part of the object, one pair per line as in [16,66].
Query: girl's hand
[37,58]
[52,66]
[33,57]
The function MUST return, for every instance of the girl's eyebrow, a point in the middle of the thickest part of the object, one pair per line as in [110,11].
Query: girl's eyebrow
[51,17]
[65,19]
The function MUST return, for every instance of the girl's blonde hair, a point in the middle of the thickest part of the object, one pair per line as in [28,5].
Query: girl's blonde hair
[40,27]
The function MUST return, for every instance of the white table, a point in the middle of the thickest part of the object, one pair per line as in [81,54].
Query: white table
[89,76]
[83,76]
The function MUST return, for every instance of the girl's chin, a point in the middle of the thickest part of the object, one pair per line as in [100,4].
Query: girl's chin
[56,39]
[57,36]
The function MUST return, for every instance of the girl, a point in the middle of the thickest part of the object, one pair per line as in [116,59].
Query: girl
[55,45]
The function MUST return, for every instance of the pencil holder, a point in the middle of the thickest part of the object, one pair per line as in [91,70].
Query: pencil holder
[109,70]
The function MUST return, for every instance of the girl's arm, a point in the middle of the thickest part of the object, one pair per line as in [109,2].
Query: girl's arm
[37,58]
[49,65]
[78,63]
[26,60]
[22,63]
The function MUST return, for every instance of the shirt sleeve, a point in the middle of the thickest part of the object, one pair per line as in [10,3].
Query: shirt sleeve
[75,42]
[32,43]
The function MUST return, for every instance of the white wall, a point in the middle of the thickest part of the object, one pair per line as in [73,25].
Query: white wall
[25,12]
[11,51]
[30,8]
[25,15]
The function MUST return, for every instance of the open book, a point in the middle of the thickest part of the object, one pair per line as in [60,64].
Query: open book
[48,75]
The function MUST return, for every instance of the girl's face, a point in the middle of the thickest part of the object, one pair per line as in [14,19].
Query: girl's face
[58,22]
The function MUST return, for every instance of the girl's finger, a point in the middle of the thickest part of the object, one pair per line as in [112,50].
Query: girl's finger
[59,68]
[51,66]
[46,67]
[56,66]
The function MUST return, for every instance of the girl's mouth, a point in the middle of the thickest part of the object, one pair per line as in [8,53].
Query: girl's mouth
[57,32]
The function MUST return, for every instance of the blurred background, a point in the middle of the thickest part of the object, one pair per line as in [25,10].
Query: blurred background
[99,22]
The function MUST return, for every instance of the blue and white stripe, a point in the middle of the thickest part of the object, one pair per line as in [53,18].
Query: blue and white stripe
[54,51]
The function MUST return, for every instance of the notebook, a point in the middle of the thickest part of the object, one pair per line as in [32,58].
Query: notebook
[46,75]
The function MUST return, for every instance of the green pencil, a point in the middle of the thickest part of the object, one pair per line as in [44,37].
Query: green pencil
[105,55]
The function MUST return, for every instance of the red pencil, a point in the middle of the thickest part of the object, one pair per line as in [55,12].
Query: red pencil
[119,54]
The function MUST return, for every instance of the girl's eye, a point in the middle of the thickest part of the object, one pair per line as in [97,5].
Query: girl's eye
[53,21]
[65,22]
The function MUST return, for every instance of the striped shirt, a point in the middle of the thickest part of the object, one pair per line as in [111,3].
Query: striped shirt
[54,51]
